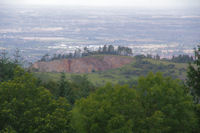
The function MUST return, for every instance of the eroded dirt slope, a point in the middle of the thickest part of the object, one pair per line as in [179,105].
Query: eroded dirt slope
[82,65]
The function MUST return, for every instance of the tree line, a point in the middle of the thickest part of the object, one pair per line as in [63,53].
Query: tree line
[177,59]
[110,50]
[106,49]
[154,104]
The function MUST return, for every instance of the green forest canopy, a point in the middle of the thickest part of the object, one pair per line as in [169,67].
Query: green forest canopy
[156,104]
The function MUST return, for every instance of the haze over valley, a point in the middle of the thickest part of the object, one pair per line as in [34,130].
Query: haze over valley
[36,30]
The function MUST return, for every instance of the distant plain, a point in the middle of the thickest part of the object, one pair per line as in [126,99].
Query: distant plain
[37,31]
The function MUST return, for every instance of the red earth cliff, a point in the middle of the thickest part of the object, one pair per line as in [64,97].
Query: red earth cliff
[82,65]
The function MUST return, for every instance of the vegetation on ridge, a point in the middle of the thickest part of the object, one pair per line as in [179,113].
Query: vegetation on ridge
[128,73]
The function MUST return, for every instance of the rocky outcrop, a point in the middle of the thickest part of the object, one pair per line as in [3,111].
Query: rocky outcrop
[82,65]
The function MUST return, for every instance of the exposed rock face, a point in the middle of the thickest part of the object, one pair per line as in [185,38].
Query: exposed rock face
[82,65]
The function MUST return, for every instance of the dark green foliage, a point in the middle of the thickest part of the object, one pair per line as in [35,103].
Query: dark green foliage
[105,49]
[45,58]
[65,89]
[193,81]
[156,105]
[182,59]
[157,57]
[8,130]
[193,76]
[83,86]
[63,86]
[18,58]
[107,110]
[78,87]
[6,67]
[111,49]
[124,51]
[52,86]
[26,107]
[167,106]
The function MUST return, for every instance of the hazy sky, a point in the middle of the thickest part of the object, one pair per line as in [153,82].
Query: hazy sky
[135,3]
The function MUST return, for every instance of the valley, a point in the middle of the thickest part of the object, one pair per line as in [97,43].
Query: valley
[36,30]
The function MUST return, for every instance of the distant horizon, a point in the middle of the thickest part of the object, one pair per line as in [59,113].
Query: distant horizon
[100,7]
[138,4]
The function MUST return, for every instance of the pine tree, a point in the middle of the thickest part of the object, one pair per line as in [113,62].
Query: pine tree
[193,75]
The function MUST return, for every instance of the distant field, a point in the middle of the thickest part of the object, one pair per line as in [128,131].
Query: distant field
[128,73]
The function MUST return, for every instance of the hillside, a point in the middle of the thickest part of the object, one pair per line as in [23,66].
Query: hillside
[124,70]
[83,65]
